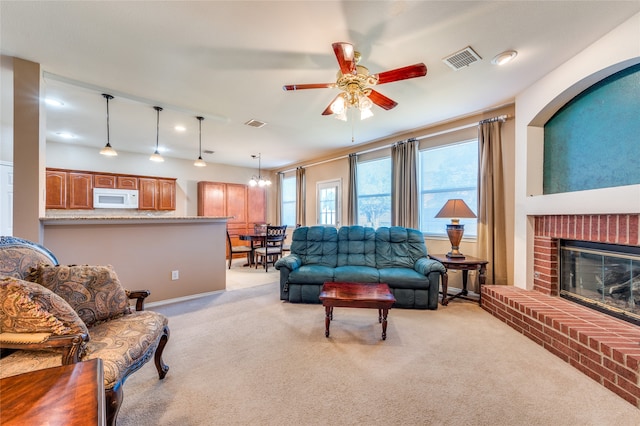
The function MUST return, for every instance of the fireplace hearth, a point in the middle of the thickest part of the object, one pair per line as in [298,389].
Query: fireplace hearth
[605,277]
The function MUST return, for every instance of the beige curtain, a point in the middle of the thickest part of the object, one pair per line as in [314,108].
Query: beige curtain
[279,198]
[404,184]
[301,197]
[352,207]
[491,199]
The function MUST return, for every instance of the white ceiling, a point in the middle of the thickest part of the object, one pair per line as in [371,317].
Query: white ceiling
[228,61]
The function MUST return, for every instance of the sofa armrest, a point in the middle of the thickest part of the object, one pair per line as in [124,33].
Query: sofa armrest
[292,262]
[70,345]
[425,266]
[140,295]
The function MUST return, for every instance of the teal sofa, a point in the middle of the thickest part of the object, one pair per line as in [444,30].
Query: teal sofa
[393,255]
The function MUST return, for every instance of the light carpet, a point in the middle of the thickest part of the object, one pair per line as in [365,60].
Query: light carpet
[243,357]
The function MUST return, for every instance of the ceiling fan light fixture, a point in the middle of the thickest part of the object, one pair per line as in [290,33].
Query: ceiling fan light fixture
[108,149]
[338,105]
[156,155]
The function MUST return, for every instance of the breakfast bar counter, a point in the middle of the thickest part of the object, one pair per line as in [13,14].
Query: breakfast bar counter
[173,257]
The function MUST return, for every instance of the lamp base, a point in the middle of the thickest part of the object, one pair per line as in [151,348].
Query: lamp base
[455,232]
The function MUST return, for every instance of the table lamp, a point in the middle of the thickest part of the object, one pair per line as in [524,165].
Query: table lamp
[455,209]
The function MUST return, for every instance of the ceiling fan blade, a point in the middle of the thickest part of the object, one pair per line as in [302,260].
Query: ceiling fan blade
[308,86]
[411,71]
[381,100]
[346,57]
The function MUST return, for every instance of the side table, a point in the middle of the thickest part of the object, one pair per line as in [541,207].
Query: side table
[466,264]
[70,395]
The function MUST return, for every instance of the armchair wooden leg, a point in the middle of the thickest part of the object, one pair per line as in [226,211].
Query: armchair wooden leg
[113,401]
[160,365]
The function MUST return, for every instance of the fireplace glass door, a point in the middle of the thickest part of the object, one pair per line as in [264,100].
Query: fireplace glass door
[605,277]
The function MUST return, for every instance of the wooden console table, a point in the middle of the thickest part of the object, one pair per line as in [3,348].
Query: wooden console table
[69,395]
[466,264]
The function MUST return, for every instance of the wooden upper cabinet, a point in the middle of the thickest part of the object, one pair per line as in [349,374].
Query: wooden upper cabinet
[80,190]
[69,189]
[237,203]
[166,194]
[148,195]
[212,199]
[127,182]
[257,203]
[56,189]
[104,181]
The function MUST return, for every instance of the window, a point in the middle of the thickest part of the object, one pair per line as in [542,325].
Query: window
[446,172]
[374,192]
[288,208]
[328,202]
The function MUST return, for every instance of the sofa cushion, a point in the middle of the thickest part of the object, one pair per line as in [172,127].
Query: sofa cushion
[357,246]
[316,245]
[403,278]
[124,343]
[18,256]
[358,274]
[27,307]
[399,247]
[93,291]
[311,274]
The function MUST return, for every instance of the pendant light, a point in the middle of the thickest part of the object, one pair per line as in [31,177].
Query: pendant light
[108,150]
[200,162]
[156,155]
[259,181]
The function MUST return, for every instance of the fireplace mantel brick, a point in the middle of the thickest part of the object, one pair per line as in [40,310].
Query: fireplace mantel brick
[602,347]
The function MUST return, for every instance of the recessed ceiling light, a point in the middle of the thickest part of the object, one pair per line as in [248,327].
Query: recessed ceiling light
[65,135]
[179,128]
[504,57]
[53,102]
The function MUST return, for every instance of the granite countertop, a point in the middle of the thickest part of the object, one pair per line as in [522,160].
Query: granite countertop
[71,220]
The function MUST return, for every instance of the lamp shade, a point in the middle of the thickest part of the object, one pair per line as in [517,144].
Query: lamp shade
[455,209]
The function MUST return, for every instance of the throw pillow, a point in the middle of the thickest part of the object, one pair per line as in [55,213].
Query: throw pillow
[93,291]
[27,307]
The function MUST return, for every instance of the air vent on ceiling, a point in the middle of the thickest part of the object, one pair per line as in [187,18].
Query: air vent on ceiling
[255,123]
[208,151]
[462,59]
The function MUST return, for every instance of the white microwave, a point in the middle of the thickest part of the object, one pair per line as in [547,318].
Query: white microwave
[109,198]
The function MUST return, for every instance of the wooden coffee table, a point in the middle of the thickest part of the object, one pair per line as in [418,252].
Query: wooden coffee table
[357,295]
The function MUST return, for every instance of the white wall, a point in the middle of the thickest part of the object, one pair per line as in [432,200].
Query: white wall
[617,50]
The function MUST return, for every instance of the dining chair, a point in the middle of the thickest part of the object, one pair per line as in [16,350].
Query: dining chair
[238,249]
[272,250]
[287,246]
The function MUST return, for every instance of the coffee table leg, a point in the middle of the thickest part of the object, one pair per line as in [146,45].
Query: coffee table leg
[328,310]
[384,323]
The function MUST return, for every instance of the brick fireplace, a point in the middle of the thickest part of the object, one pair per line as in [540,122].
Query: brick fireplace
[604,348]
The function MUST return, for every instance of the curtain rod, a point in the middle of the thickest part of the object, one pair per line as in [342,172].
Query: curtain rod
[501,118]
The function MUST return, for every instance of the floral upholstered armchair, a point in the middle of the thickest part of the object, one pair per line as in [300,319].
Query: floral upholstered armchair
[53,314]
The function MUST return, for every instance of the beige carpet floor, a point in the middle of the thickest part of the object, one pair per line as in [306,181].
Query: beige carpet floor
[243,357]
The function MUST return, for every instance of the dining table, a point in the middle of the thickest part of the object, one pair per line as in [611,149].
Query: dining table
[257,239]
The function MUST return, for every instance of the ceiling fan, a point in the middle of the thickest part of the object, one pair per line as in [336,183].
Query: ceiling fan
[356,83]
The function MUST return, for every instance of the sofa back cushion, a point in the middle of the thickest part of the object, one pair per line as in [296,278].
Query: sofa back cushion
[316,245]
[93,291]
[30,308]
[18,256]
[399,247]
[356,246]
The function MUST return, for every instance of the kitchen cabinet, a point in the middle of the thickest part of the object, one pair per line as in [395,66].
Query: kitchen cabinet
[73,189]
[156,194]
[80,190]
[56,193]
[115,181]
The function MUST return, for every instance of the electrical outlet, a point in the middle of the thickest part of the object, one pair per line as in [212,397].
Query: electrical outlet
[175,275]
